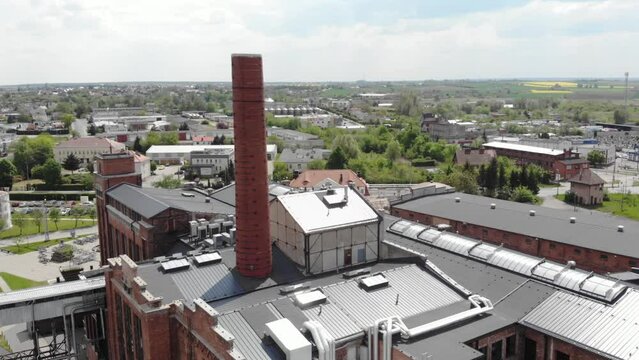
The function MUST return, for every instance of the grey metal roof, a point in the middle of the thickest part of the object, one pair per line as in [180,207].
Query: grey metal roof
[312,214]
[588,283]
[149,202]
[609,330]
[302,155]
[50,291]
[593,229]
[246,340]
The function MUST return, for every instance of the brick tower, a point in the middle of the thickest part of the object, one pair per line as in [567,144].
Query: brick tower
[253,247]
[111,170]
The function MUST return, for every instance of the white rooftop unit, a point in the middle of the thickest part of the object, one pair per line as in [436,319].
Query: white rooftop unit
[290,340]
[174,265]
[373,282]
[310,298]
[209,258]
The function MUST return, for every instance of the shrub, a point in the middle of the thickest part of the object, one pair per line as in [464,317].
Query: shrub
[421,162]
[523,195]
[62,253]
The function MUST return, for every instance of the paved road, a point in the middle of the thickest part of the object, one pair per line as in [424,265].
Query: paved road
[159,174]
[52,235]
[547,194]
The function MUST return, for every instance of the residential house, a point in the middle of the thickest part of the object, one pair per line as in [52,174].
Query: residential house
[86,148]
[298,159]
[587,187]
[474,157]
[318,179]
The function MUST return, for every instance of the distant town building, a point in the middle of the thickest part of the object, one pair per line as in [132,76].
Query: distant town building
[86,148]
[175,154]
[142,164]
[212,161]
[202,140]
[296,139]
[298,159]
[587,187]
[524,154]
[568,168]
[318,179]
[448,130]
[474,157]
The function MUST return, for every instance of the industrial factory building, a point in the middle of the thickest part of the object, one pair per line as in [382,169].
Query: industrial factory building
[261,272]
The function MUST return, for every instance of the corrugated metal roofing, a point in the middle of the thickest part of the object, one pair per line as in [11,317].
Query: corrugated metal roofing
[312,214]
[611,330]
[207,282]
[336,322]
[411,291]
[589,231]
[526,148]
[246,340]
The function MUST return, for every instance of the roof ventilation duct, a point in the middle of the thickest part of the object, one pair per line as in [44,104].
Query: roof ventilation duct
[493,206]
[457,199]
[373,282]
[573,219]
[620,228]
[532,213]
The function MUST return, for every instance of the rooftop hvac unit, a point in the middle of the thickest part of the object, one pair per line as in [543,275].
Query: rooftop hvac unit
[208,258]
[290,340]
[193,225]
[214,228]
[202,221]
[174,265]
[309,299]
[373,282]
[226,237]
[209,242]
[227,225]
[232,233]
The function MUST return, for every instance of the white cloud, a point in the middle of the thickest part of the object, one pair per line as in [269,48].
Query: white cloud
[120,40]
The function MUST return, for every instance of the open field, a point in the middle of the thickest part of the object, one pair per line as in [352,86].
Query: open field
[22,185]
[549,84]
[34,246]
[535,91]
[18,283]
[30,228]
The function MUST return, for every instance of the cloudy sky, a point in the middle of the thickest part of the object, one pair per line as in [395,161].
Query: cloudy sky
[315,40]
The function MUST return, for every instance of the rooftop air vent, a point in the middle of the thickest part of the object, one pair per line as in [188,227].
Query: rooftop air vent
[174,265]
[209,258]
[620,228]
[373,282]
[493,206]
[358,272]
[289,339]
[573,219]
[293,288]
[309,299]
[457,199]
[532,213]
[330,192]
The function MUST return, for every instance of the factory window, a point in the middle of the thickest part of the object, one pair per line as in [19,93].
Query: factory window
[139,345]
[511,345]
[118,313]
[632,263]
[577,251]
[495,353]
[603,257]
[561,356]
[483,350]
[530,351]
[552,246]
[128,339]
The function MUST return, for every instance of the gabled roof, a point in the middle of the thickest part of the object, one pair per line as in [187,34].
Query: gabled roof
[90,142]
[587,177]
[474,157]
[314,178]
[523,148]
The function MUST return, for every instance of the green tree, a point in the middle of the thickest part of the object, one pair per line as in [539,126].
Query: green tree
[36,218]
[393,151]
[317,164]
[620,116]
[54,215]
[92,130]
[71,163]
[275,140]
[492,177]
[7,172]
[76,214]
[337,159]
[137,145]
[92,213]
[408,104]
[67,120]
[30,152]
[523,195]
[168,182]
[501,179]
[596,158]
[154,166]
[348,144]
[50,172]
[280,171]
[19,220]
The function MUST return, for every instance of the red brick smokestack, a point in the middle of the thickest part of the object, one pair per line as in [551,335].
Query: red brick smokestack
[253,246]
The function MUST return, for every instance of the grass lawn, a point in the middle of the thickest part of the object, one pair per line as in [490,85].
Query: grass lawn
[30,228]
[18,283]
[613,206]
[27,248]
[22,185]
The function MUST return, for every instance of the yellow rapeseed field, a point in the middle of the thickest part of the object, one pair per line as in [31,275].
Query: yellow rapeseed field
[549,84]
[535,91]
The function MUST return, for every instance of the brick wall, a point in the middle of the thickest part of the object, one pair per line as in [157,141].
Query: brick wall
[547,347]
[588,259]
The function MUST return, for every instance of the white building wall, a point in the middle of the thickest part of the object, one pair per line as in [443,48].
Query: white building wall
[5,209]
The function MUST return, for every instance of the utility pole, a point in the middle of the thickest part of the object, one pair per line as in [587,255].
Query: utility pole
[46,220]
[626,97]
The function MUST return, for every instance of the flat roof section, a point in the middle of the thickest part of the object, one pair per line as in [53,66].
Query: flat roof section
[524,148]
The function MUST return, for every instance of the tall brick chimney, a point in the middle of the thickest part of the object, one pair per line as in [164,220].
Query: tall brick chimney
[253,247]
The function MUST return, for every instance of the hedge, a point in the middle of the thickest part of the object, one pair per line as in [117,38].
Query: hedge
[36,196]
[423,162]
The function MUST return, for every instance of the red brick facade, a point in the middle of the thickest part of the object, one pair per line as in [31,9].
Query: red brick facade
[568,169]
[585,258]
[140,326]
[546,161]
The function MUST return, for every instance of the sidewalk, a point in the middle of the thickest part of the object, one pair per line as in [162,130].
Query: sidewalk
[52,235]
[4,286]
